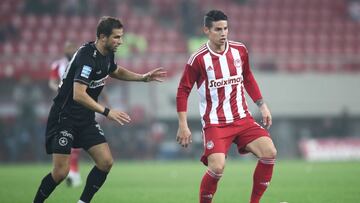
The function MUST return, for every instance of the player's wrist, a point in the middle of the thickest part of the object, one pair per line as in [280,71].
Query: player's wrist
[145,77]
[260,102]
[106,112]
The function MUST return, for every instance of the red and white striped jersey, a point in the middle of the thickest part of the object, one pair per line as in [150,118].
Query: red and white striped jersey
[221,80]
[58,68]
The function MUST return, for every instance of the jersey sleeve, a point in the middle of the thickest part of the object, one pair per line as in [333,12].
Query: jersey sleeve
[250,83]
[113,64]
[85,66]
[187,81]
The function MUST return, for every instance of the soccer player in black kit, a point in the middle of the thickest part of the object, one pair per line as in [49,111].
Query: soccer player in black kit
[71,121]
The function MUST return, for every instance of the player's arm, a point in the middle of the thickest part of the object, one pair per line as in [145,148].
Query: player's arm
[253,90]
[183,136]
[83,98]
[187,81]
[83,76]
[265,112]
[105,97]
[122,73]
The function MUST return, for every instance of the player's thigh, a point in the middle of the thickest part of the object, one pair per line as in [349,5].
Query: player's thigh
[249,133]
[89,136]
[61,166]
[59,134]
[60,160]
[216,141]
[102,156]
[216,162]
[262,147]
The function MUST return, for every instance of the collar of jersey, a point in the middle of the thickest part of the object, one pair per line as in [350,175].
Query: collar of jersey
[98,52]
[216,54]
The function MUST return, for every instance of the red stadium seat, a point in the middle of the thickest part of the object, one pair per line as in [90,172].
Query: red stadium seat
[282,29]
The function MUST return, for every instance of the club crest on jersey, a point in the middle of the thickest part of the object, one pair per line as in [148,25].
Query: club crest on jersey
[222,82]
[237,63]
[210,144]
[85,72]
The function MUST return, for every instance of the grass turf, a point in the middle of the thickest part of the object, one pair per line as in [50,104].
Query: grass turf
[178,182]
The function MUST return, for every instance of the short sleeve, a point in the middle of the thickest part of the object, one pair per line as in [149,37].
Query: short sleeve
[84,68]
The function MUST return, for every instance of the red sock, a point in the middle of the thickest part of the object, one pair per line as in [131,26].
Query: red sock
[208,186]
[262,177]
[74,160]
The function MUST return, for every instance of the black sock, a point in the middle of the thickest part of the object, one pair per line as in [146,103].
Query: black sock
[45,189]
[94,181]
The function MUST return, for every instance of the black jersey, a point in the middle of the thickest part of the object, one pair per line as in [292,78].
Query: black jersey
[88,66]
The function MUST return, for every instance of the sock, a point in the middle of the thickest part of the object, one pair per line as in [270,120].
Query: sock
[94,181]
[208,186]
[262,176]
[74,160]
[45,189]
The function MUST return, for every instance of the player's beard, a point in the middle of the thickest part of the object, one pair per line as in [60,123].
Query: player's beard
[110,48]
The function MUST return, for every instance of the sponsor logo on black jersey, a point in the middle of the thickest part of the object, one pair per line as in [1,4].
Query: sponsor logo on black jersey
[97,83]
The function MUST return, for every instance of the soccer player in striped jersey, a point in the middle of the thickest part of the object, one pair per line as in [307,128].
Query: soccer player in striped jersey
[221,71]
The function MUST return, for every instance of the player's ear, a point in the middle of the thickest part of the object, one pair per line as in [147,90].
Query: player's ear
[102,37]
[206,30]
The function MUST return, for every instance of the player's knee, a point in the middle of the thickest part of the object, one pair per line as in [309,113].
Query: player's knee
[60,173]
[217,168]
[269,152]
[106,164]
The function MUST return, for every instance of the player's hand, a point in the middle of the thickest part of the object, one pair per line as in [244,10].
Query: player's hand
[266,115]
[183,136]
[118,116]
[157,74]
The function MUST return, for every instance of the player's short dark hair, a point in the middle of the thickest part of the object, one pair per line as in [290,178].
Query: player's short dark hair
[106,25]
[213,16]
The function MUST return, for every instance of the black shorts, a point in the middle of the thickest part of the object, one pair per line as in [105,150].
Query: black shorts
[64,133]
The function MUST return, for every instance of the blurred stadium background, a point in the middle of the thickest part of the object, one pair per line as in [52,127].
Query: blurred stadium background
[304,54]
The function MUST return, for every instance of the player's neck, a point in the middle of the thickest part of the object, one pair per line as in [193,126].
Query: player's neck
[217,48]
[100,48]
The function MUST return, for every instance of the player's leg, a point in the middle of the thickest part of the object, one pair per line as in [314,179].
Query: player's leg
[59,140]
[217,141]
[103,162]
[208,186]
[50,181]
[265,150]
[74,178]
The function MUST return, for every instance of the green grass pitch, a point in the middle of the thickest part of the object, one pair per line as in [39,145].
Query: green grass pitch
[178,182]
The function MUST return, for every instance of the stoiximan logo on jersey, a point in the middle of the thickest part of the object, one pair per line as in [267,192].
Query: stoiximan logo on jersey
[233,80]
